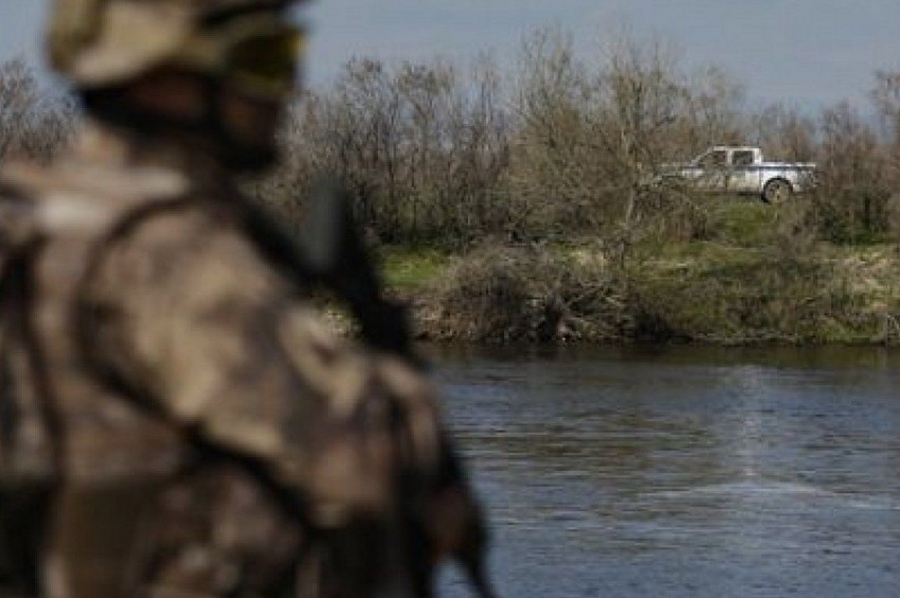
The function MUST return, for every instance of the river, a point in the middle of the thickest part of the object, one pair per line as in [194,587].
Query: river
[691,472]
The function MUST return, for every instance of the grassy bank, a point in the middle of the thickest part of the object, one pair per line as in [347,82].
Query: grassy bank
[749,275]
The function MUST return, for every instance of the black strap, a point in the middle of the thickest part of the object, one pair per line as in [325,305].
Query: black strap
[24,504]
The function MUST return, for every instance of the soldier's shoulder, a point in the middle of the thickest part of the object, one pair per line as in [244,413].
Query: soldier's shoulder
[192,251]
[76,195]
[72,178]
[18,218]
[19,181]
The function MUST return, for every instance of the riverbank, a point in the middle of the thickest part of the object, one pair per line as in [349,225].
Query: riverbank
[751,279]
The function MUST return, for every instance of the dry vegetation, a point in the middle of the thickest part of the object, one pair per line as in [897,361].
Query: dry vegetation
[35,122]
[530,187]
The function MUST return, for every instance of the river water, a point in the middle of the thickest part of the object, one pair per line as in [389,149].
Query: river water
[684,472]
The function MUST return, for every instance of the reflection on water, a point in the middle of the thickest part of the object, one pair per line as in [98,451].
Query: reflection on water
[688,472]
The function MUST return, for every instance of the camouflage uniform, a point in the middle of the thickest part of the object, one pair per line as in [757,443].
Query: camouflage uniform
[175,419]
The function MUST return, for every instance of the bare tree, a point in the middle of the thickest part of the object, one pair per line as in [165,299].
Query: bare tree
[554,178]
[885,96]
[421,148]
[590,140]
[852,200]
[714,113]
[642,96]
[34,122]
[785,133]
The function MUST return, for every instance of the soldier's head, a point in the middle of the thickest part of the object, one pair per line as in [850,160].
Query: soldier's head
[219,68]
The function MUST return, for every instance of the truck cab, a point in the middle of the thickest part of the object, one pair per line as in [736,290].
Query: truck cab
[743,170]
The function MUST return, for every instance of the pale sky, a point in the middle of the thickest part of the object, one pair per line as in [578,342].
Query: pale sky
[806,52]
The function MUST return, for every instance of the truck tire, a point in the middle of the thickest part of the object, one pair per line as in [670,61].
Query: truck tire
[777,191]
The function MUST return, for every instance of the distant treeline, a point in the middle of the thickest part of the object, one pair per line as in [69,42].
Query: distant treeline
[557,148]
[560,146]
[538,175]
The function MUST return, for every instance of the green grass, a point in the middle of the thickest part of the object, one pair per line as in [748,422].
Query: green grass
[744,222]
[751,280]
[406,269]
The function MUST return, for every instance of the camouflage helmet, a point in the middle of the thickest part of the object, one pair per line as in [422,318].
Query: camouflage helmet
[98,43]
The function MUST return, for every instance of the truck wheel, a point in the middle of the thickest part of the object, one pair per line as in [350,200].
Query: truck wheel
[777,191]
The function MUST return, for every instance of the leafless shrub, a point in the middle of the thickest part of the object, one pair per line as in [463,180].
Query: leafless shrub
[590,140]
[34,122]
[569,148]
[785,133]
[503,294]
[851,203]
[422,150]
[554,179]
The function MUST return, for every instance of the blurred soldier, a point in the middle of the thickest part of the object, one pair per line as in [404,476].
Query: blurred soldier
[175,420]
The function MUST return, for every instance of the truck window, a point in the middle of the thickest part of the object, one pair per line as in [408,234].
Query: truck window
[714,159]
[742,158]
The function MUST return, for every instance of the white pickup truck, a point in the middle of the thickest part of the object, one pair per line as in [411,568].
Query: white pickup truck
[742,169]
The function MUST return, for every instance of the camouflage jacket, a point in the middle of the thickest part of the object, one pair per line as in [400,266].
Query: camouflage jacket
[205,430]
